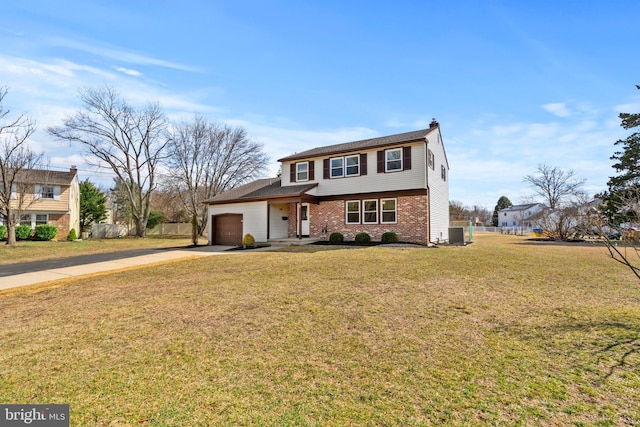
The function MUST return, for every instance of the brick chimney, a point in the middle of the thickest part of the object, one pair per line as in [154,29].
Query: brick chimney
[433,124]
[73,169]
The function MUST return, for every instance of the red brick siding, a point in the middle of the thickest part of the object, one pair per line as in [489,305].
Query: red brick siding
[412,224]
[62,221]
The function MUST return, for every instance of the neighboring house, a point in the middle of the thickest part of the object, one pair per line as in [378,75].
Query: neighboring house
[52,198]
[397,183]
[519,215]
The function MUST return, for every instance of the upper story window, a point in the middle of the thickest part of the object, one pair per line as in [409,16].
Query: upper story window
[345,166]
[46,192]
[432,163]
[302,171]
[393,160]
[443,172]
[337,167]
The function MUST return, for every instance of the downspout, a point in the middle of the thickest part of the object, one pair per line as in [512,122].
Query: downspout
[426,182]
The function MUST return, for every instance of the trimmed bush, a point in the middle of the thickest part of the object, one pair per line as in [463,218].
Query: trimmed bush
[248,241]
[3,232]
[363,238]
[389,237]
[45,232]
[72,235]
[23,232]
[336,237]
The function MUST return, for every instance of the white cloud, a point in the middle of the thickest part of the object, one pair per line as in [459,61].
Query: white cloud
[129,72]
[557,108]
[119,54]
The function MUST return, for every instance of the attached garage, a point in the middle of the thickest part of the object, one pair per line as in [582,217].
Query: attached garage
[226,229]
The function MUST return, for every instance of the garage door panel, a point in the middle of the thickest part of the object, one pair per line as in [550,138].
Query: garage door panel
[227,229]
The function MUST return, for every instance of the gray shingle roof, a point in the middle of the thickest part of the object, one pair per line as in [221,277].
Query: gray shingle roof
[260,189]
[361,145]
[42,176]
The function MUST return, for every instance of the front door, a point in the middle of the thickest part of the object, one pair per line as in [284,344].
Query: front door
[303,215]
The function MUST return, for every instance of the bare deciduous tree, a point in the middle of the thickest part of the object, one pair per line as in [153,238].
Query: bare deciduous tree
[206,159]
[17,164]
[130,141]
[562,192]
[558,188]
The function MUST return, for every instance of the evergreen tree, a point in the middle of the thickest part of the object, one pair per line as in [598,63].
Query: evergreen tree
[625,185]
[503,203]
[92,205]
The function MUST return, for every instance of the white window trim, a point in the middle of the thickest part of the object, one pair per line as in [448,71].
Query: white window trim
[386,160]
[346,211]
[331,168]
[382,211]
[443,173]
[357,157]
[298,172]
[432,160]
[344,167]
[364,202]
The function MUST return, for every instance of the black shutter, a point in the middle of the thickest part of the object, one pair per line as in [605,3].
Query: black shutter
[325,168]
[363,164]
[406,158]
[312,170]
[292,172]
[380,161]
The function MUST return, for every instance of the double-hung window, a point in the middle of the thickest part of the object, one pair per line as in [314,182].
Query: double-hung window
[353,212]
[431,160]
[443,173]
[370,212]
[352,166]
[388,208]
[393,160]
[337,167]
[46,192]
[345,166]
[302,171]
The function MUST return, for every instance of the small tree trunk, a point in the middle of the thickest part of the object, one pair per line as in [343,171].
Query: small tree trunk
[141,227]
[11,234]
[194,229]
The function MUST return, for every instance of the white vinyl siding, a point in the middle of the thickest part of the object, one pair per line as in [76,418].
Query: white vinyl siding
[254,217]
[438,192]
[371,182]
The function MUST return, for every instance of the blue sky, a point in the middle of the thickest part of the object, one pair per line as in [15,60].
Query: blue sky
[513,84]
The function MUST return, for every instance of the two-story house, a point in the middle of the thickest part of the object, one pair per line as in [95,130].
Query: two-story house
[49,197]
[519,215]
[397,183]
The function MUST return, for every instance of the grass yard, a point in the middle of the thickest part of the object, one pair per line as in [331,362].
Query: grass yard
[501,332]
[34,250]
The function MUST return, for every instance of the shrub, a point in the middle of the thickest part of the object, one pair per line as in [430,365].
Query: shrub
[389,237]
[23,232]
[336,237]
[3,232]
[248,241]
[72,235]
[362,238]
[46,232]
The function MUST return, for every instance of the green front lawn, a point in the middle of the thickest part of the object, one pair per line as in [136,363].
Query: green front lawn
[500,332]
